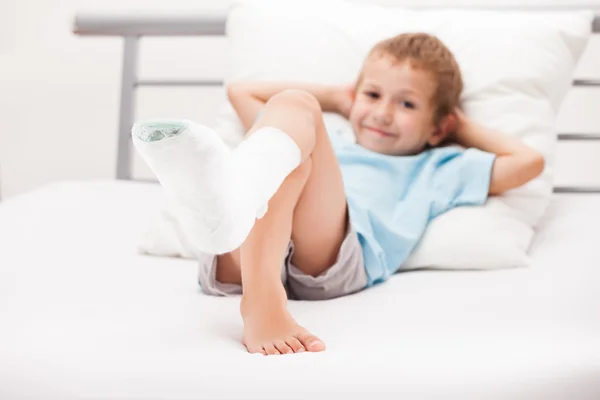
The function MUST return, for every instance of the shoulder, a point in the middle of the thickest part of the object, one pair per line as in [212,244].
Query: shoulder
[439,158]
[459,156]
[441,153]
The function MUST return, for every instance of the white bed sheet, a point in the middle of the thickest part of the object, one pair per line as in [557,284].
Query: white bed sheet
[84,316]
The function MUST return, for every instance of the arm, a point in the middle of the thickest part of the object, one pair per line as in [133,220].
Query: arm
[515,164]
[247,98]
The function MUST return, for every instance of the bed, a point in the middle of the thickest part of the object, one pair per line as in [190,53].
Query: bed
[84,315]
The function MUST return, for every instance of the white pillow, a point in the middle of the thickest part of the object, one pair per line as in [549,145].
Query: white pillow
[517,68]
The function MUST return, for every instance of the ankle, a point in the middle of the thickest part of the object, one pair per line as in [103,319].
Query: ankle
[265,291]
[271,295]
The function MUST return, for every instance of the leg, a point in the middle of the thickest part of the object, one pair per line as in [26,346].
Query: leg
[220,194]
[268,326]
[322,202]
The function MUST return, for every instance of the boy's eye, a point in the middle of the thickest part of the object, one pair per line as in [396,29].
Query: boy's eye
[407,104]
[373,95]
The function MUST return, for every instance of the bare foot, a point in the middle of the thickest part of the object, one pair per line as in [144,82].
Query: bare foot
[270,329]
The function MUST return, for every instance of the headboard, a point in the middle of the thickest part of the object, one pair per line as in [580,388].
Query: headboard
[132,26]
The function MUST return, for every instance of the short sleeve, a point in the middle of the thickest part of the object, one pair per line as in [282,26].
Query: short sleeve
[461,178]
[336,139]
[339,130]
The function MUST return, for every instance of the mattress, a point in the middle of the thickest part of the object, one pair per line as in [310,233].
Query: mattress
[83,315]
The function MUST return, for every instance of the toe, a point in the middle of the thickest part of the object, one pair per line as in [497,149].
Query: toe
[270,350]
[295,345]
[283,347]
[254,349]
[311,342]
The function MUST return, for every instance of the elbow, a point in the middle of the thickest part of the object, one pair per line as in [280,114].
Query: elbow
[516,171]
[536,164]
[236,90]
[233,90]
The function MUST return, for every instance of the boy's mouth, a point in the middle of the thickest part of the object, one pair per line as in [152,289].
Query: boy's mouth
[379,132]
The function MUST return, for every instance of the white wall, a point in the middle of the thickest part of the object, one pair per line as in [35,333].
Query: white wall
[59,92]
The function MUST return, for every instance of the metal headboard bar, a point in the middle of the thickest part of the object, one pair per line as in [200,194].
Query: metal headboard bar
[167,82]
[178,83]
[576,189]
[206,23]
[586,82]
[212,23]
[157,24]
[578,136]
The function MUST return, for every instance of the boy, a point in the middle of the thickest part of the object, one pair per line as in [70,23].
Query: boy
[294,212]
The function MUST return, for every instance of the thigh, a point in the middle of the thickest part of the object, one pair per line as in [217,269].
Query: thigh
[346,275]
[214,282]
[320,217]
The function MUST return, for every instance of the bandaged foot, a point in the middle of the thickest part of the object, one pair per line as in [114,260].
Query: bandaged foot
[217,193]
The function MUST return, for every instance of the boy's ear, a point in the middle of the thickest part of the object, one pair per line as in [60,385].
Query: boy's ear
[445,127]
[352,90]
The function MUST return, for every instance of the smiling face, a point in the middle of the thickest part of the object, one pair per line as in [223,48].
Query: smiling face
[393,111]
[406,95]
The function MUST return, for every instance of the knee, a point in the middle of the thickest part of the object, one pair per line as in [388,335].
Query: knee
[303,170]
[299,98]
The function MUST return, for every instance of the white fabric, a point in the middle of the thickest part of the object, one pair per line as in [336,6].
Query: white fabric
[194,168]
[205,180]
[517,68]
[264,160]
[83,316]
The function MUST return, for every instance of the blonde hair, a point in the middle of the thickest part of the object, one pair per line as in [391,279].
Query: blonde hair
[428,53]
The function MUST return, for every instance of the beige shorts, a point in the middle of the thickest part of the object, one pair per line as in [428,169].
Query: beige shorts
[346,276]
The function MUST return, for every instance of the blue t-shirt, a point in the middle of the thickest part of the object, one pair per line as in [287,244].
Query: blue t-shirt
[391,199]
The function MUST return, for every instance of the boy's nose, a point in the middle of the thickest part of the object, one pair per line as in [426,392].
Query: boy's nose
[383,114]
